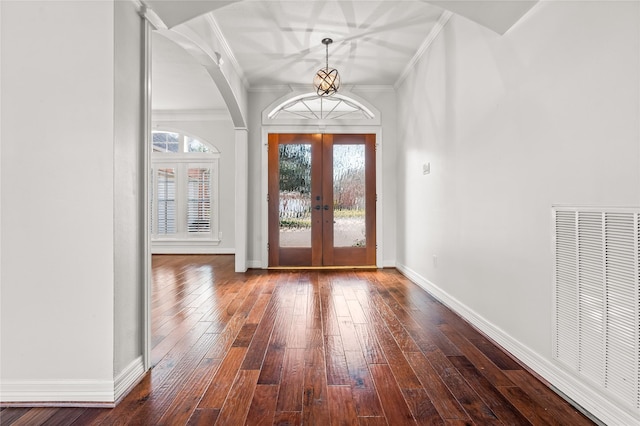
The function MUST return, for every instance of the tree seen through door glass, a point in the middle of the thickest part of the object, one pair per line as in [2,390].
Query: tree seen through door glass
[349,226]
[295,195]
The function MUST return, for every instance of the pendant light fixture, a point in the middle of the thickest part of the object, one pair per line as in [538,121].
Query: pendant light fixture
[327,80]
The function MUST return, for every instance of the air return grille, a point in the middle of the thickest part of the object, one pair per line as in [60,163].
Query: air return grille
[597,302]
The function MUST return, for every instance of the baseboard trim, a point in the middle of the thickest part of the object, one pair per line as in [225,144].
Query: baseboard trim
[254,264]
[129,378]
[75,393]
[600,407]
[169,249]
[71,393]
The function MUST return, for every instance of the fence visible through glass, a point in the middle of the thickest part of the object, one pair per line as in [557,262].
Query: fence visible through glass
[349,226]
[295,195]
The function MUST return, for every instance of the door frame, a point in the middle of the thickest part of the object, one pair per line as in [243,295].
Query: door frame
[264,181]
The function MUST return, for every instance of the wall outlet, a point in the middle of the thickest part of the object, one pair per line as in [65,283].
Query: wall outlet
[435,260]
[426,168]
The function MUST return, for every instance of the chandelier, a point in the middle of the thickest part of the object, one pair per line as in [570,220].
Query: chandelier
[327,80]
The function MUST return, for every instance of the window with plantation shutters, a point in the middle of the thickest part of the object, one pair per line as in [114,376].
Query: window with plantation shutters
[199,200]
[166,201]
[183,194]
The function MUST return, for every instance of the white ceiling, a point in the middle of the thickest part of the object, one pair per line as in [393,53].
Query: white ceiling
[278,42]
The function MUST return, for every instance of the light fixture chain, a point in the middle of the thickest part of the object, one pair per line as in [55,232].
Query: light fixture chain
[326,45]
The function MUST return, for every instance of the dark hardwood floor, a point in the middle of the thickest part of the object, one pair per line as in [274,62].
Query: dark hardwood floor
[316,348]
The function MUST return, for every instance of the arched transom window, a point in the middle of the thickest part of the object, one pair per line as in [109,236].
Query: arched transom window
[310,106]
[178,143]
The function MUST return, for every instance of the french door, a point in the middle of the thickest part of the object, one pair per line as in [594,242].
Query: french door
[322,200]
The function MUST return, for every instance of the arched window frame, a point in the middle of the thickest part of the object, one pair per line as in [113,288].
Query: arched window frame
[369,116]
[184,221]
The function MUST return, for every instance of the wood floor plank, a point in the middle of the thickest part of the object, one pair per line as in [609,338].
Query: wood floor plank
[358,370]
[226,338]
[370,347]
[493,353]
[535,413]
[356,312]
[259,344]
[466,396]
[10,414]
[287,418]
[258,309]
[63,417]
[555,404]
[372,421]
[315,400]
[236,407]
[312,347]
[421,407]
[271,370]
[179,378]
[341,407]
[393,403]
[263,405]
[445,402]
[189,396]
[502,408]
[204,417]
[403,339]
[291,384]
[336,364]
[367,402]
[217,391]
[396,360]
[35,416]
[244,337]
[494,374]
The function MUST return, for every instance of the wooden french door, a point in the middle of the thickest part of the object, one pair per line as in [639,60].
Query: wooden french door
[322,200]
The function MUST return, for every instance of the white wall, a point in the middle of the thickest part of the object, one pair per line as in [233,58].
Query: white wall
[129,199]
[546,114]
[256,241]
[385,101]
[220,133]
[65,255]
[382,98]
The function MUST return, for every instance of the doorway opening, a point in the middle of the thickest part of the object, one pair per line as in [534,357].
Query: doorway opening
[321,200]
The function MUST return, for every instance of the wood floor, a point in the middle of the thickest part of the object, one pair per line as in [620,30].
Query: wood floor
[315,348]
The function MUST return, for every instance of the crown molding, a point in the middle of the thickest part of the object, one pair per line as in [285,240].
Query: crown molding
[433,34]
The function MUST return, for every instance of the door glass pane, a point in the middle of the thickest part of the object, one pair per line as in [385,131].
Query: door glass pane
[348,196]
[295,195]
[199,201]
[166,201]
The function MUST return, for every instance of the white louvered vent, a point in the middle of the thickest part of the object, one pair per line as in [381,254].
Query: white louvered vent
[597,300]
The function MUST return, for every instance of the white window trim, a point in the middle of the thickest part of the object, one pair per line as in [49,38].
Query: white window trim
[183,241]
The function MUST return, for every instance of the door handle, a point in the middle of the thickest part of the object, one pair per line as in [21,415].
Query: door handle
[326,207]
[317,207]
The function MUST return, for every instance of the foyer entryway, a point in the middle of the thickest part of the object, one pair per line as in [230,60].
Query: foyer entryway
[322,200]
